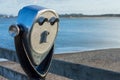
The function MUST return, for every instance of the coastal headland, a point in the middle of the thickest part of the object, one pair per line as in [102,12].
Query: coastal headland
[73,15]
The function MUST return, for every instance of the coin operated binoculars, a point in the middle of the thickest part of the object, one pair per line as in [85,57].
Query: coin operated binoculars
[34,36]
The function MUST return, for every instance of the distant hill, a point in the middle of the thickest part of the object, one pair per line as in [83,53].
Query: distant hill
[70,15]
[83,15]
[6,16]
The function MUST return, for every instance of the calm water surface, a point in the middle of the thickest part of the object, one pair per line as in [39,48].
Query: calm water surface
[78,34]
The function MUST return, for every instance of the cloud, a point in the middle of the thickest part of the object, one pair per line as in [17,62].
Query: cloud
[63,6]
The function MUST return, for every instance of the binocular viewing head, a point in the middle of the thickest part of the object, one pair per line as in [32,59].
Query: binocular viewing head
[34,36]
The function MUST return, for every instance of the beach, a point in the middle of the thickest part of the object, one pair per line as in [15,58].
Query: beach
[106,59]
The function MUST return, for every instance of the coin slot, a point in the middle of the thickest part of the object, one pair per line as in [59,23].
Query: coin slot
[43,37]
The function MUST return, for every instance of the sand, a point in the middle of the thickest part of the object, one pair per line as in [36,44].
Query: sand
[106,59]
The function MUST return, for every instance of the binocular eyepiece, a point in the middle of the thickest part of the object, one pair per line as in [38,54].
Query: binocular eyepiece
[34,37]
[52,20]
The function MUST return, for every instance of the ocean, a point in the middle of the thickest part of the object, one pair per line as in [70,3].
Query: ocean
[75,34]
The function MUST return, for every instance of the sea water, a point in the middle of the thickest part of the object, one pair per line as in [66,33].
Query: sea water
[75,34]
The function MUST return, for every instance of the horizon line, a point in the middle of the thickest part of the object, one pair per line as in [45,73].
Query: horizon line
[2,14]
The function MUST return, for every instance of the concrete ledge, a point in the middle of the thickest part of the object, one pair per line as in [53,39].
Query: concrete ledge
[66,70]
[81,72]
[8,54]
[11,74]
[13,71]
[60,70]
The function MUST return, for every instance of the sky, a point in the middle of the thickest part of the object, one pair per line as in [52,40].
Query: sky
[11,7]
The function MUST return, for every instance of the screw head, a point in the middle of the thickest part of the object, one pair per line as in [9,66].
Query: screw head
[14,30]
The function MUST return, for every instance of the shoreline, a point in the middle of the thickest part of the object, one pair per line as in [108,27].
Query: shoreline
[66,52]
[80,51]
